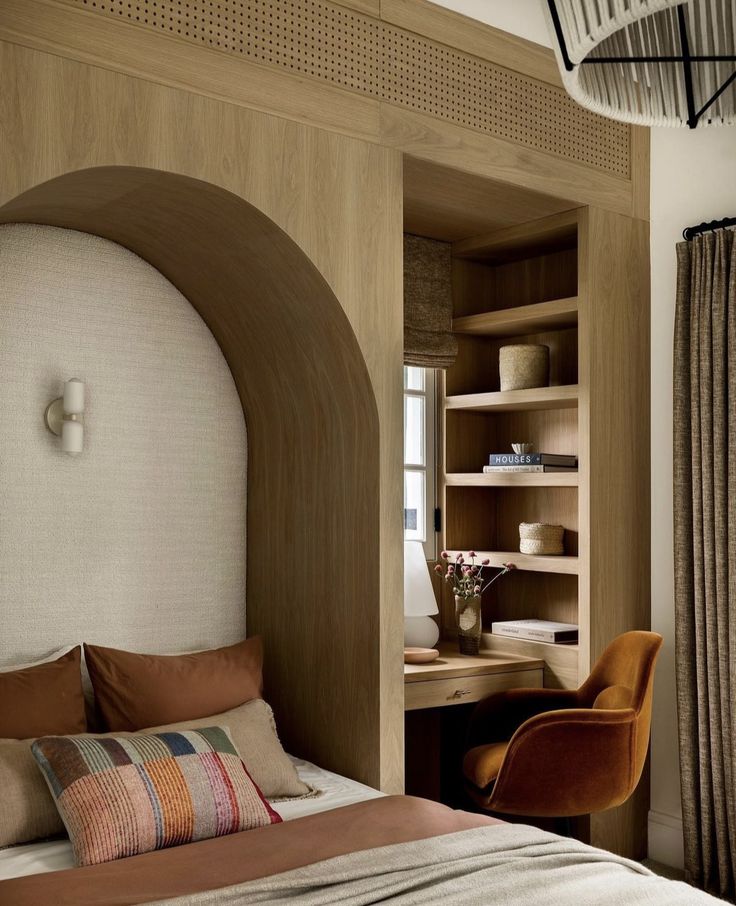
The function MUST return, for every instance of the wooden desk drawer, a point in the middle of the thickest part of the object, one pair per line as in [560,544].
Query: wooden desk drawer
[463,689]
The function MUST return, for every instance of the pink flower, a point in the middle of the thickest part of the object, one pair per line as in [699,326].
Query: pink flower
[445,555]
[509,565]
[438,569]
[472,554]
[476,590]
[460,559]
[486,562]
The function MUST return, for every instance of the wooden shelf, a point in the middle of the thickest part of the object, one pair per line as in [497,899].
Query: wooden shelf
[561,397]
[512,479]
[528,562]
[522,320]
[538,237]
[561,661]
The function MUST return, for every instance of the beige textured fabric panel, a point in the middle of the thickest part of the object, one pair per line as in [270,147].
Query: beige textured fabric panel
[139,542]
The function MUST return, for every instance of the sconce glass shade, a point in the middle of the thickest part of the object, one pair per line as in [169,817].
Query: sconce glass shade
[72,437]
[63,417]
[74,397]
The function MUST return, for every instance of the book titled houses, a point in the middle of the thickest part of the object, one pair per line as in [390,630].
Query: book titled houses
[537,630]
[530,462]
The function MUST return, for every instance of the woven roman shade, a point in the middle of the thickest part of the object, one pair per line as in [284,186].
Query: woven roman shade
[428,337]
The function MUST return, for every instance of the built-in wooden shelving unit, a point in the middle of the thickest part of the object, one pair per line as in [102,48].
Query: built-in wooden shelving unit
[539,283]
[575,282]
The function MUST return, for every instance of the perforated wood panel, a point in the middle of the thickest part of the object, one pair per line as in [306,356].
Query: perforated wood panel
[354,51]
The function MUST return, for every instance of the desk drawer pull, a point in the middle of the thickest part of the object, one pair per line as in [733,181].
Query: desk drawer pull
[458,693]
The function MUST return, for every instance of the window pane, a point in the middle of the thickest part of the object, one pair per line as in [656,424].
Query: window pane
[414,503]
[413,378]
[414,407]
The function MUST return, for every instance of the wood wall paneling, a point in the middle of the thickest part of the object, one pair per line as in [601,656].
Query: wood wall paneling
[149,51]
[484,41]
[615,493]
[340,201]
[461,148]
[338,46]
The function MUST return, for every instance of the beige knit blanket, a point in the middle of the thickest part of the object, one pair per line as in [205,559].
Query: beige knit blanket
[494,866]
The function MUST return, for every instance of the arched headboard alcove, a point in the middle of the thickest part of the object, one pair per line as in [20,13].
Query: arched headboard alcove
[313,457]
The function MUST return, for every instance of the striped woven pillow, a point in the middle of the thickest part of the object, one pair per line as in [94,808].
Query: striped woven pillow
[120,796]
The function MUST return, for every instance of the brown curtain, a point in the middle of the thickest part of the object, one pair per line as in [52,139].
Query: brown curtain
[428,337]
[705,554]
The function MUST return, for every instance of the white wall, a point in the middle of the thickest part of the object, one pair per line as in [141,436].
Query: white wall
[138,542]
[520,17]
[692,181]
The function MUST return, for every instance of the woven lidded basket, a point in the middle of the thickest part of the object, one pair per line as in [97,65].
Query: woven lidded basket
[523,366]
[541,538]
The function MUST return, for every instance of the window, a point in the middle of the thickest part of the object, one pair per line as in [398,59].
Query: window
[419,458]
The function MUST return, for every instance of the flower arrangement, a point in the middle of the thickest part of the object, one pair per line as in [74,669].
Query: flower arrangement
[468,579]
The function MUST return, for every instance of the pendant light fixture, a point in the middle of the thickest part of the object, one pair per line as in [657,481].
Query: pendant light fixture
[650,62]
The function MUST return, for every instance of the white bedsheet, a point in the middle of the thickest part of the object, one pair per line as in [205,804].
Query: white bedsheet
[336,791]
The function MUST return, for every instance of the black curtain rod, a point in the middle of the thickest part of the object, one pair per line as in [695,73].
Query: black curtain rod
[693,231]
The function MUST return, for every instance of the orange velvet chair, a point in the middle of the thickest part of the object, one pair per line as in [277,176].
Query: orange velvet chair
[560,753]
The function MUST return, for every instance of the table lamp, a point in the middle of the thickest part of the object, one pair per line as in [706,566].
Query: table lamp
[420,630]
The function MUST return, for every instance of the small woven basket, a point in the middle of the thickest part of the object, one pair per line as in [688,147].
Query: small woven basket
[541,538]
[523,366]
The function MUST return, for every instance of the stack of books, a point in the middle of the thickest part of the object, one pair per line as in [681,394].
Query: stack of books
[537,631]
[531,462]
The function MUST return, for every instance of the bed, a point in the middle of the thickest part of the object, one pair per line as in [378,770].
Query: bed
[172,786]
[349,844]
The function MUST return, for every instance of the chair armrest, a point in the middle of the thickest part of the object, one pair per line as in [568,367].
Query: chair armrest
[565,763]
[496,718]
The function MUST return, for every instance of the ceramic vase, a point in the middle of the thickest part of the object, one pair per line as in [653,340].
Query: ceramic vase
[469,624]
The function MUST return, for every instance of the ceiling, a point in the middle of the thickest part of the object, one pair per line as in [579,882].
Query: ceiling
[441,203]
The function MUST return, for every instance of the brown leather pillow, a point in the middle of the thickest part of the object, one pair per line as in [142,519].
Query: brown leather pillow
[42,700]
[135,691]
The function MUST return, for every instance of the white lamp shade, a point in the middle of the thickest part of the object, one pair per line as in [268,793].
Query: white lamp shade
[419,599]
[647,92]
[420,632]
[74,397]
[72,437]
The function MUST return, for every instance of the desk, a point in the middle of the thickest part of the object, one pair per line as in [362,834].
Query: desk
[436,721]
[455,679]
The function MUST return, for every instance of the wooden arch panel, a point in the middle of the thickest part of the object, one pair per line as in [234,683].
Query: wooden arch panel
[313,463]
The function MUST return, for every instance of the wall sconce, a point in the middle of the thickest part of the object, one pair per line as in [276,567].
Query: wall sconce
[63,417]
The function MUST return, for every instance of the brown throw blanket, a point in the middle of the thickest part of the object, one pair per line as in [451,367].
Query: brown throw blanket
[226,861]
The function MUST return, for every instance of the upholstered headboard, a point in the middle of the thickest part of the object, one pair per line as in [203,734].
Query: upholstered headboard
[139,542]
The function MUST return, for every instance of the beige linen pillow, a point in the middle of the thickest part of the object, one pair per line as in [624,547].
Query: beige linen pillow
[28,809]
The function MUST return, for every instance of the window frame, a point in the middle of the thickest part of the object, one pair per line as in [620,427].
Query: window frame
[429,468]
